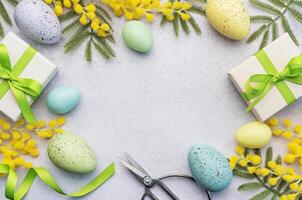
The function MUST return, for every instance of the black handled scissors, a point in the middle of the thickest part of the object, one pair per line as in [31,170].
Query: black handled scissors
[142,175]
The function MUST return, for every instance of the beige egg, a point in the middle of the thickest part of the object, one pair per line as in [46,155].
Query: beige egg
[253,135]
[229,17]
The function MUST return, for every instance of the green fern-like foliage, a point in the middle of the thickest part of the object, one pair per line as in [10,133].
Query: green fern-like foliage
[278,12]
[81,34]
[5,16]
[183,24]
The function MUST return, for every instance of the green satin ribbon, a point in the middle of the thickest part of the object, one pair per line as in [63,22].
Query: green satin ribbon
[258,85]
[12,193]
[20,87]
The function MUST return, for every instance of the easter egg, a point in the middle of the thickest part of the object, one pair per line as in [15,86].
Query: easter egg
[253,135]
[37,21]
[229,17]
[69,152]
[137,36]
[209,168]
[63,99]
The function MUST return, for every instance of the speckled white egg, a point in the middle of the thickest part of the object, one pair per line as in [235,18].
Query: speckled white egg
[229,17]
[71,153]
[37,21]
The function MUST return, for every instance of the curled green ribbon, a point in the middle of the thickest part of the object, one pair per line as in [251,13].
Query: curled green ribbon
[12,193]
[20,87]
[258,85]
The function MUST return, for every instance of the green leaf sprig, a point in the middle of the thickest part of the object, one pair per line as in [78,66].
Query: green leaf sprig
[84,33]
[277,16]
[276,180]
[184,24]
[5,16]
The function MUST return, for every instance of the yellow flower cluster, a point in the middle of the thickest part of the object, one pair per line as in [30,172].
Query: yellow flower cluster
[288,174]
[274,172]
[294,152]
[138,9]
[243,160]
[87,14]
[16,139]
[285,128]
[292,133]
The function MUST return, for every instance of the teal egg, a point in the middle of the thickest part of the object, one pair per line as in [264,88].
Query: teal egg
[209,168]
[137,36]
[71,153]
[63,99]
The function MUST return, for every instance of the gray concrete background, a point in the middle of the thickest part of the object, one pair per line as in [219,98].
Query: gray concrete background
[153,106]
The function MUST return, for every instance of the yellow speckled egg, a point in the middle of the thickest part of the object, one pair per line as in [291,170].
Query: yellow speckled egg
[229,17]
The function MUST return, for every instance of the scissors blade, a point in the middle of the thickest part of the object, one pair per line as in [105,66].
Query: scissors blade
[136,172]
[135,163]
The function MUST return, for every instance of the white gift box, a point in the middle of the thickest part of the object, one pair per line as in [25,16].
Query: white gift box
[280,52]
[39,69]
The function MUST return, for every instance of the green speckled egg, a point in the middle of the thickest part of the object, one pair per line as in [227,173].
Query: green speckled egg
[137,36]
[209,168]
[229,17]
[71,153]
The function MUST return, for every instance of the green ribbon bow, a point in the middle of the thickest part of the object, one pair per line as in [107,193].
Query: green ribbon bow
[20,87]
[17,194]
[258,85]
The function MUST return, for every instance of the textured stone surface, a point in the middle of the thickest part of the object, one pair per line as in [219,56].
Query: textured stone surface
[153,106]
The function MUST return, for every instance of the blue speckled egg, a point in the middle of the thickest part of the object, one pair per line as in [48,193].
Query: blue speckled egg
[63,99]
[209,168]
[37,21]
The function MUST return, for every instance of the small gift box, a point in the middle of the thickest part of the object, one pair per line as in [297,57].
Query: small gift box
[271,79]
[24,73]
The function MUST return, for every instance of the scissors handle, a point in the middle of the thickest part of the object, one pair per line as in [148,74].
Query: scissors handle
[186,177]
[149,194]
[166,189]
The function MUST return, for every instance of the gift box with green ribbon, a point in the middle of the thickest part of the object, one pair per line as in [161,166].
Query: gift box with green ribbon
[24,73]
[271,79]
